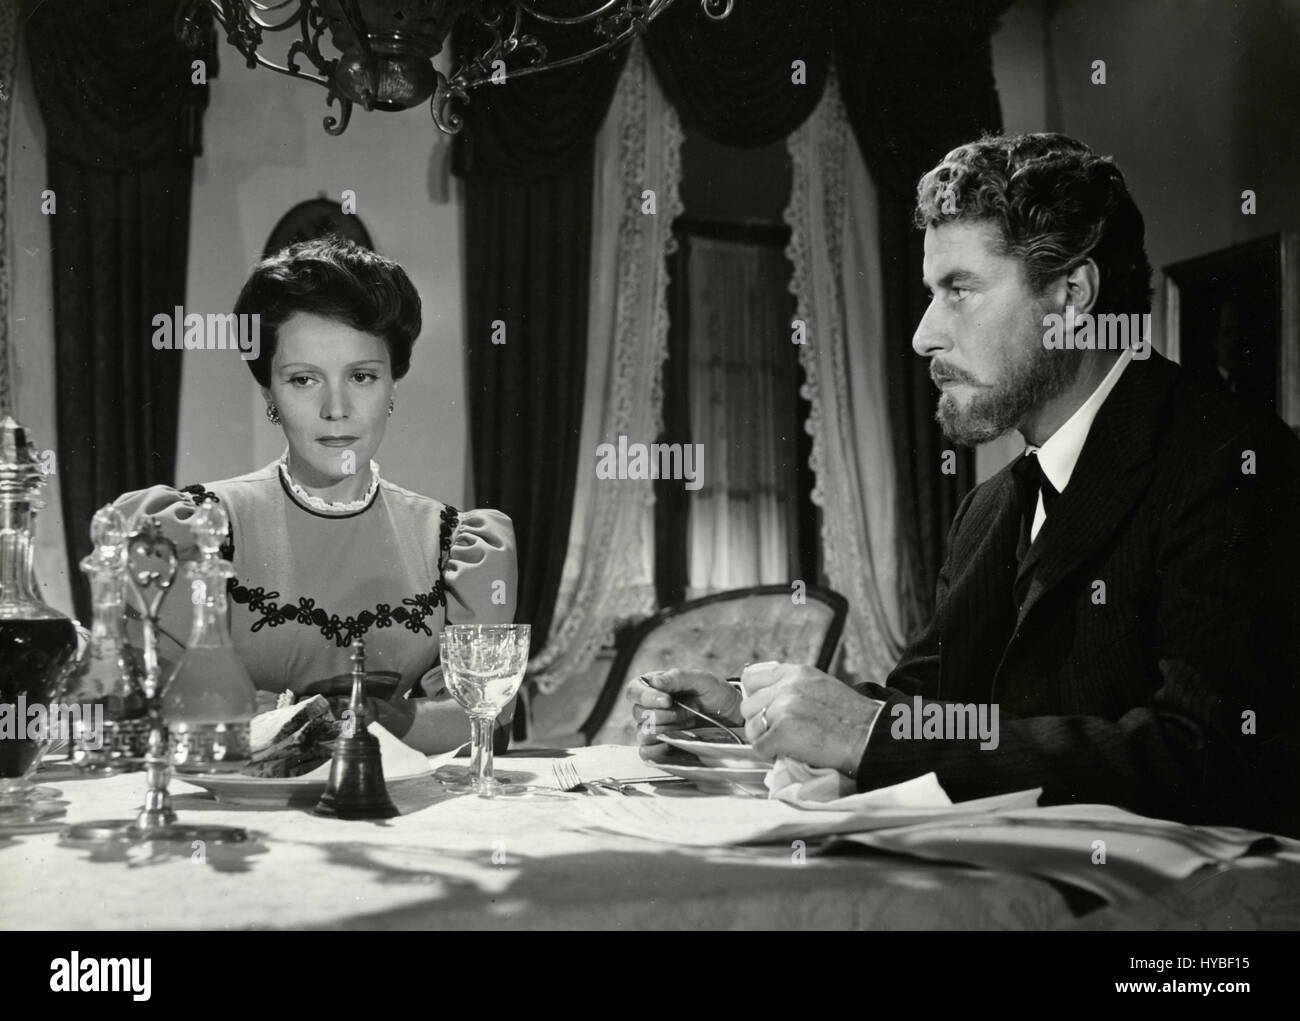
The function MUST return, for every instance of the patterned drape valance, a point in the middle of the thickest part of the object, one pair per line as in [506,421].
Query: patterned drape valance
[115,84]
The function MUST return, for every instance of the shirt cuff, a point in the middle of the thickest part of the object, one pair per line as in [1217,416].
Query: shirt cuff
[866,748]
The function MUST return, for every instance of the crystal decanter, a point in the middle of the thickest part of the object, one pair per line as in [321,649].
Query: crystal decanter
[37,642]
[198,719]
[209,698]
[111,732]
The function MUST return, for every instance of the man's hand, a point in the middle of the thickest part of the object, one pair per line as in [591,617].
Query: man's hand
[653,710]
[806,714]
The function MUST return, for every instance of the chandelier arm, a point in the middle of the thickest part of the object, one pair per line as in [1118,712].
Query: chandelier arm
[313,27]
[254,9]
[576,19]
[445,92]
[303,75]
[467,81]
[265,7]
[337,125]
[490,20]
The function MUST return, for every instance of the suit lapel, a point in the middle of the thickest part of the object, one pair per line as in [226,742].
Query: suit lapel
[1113,470]
[979,614]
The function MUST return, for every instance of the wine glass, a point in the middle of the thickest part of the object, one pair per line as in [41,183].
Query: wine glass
[483,665]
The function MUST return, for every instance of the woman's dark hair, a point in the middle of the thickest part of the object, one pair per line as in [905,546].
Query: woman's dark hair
[1054,203]
[335,279]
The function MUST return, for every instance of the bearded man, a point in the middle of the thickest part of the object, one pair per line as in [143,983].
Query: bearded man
[1122,602]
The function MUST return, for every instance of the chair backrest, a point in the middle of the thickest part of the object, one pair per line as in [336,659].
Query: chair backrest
[720,633]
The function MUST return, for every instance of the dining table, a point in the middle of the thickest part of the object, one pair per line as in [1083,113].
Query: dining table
[550,859]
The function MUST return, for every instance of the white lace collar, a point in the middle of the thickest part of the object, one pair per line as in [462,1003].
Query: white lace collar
[326,506]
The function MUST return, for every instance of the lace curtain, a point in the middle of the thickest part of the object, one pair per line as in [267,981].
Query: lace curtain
[837,285]
[743,389]
[608,575]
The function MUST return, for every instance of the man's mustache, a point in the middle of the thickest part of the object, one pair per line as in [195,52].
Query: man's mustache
[941,374]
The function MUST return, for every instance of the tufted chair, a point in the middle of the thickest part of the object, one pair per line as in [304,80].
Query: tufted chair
[721,633]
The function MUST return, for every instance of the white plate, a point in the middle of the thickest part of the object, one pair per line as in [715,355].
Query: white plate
[712,747]
[272,792]
[719,779]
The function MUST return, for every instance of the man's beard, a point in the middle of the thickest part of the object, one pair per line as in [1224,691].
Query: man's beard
[1024,386]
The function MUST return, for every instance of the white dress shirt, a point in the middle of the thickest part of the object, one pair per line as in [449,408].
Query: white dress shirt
[1060,453]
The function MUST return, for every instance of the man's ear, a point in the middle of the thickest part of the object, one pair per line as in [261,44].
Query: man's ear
[1082,285]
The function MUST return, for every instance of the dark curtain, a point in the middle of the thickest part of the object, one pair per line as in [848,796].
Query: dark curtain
[672,500]
[527,260]
[121,118]
[526,158]
[734,80]
[917,81]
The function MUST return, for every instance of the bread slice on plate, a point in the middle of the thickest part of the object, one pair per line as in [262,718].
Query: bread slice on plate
[292,739]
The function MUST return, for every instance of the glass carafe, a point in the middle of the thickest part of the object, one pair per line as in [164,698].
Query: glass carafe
[209,698]
[111,725]
[37,642]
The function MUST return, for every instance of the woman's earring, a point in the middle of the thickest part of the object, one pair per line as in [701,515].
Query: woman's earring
[273,414]
[390,407]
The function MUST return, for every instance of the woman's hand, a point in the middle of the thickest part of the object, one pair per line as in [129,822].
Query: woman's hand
[397,717]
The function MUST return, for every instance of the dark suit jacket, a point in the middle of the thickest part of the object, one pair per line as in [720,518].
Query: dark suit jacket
[1140,694]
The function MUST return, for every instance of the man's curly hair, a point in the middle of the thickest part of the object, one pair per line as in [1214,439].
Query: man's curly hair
[1054,203]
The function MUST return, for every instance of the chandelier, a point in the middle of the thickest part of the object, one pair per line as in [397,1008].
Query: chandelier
[386,47]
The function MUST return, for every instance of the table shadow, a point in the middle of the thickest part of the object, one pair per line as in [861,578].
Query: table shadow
[669,888]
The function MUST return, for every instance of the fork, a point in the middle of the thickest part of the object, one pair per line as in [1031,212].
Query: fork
[568,780]
[705,716]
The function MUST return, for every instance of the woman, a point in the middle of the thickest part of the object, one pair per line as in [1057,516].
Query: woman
[323,548]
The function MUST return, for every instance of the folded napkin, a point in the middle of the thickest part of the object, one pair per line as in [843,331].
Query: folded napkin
[796,783]
[825,789]
[399,759]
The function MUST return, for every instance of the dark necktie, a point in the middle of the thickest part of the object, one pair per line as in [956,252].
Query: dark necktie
[1030,481]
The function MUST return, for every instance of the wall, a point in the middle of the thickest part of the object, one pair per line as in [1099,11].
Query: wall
[264,151]
[1201,101]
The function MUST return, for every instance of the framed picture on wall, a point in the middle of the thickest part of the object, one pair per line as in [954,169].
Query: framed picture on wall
[1232,319]
[316,218]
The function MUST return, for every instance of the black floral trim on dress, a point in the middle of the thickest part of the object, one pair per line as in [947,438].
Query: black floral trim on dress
[411,614]
[341,631]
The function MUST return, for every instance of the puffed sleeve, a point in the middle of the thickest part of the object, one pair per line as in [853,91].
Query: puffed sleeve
[172,507]
[480,572]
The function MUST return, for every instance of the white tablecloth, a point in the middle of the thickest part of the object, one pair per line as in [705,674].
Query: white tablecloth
[464,862]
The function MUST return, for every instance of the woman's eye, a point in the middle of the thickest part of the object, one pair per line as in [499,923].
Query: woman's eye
[364,377]
[299,381]
[959,293]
